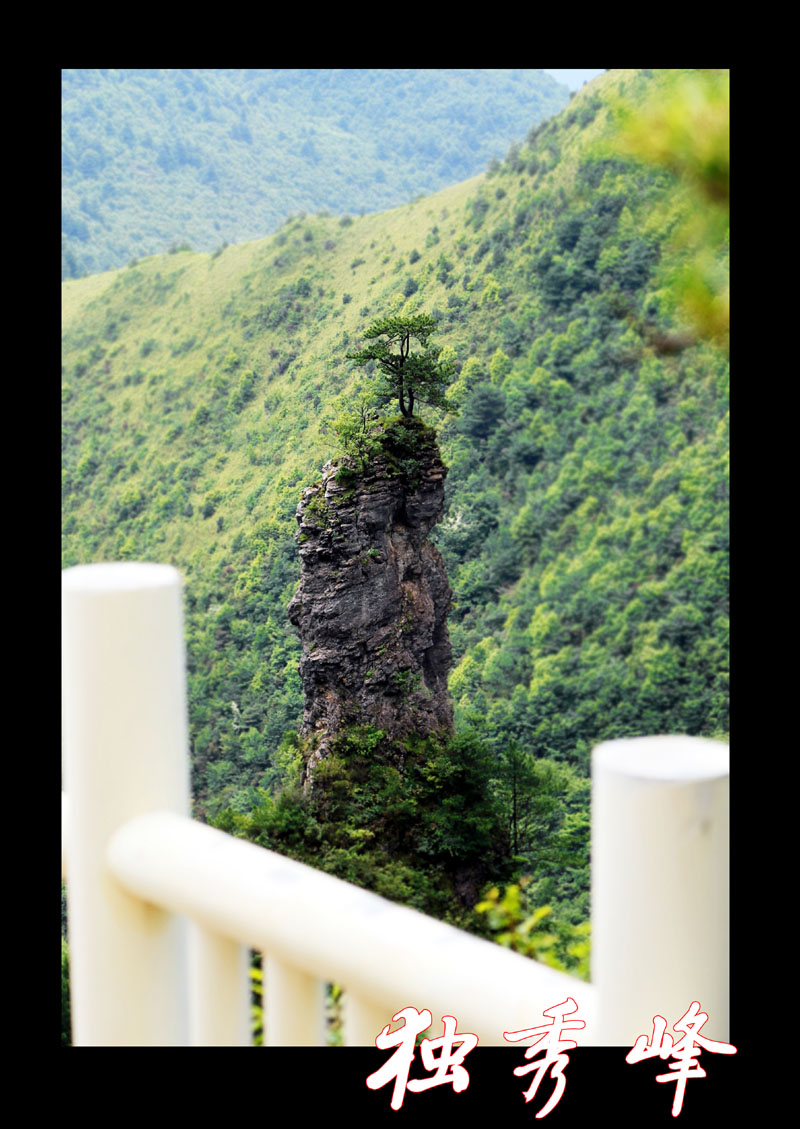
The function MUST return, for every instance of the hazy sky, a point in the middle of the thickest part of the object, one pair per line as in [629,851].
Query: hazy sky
[573,79]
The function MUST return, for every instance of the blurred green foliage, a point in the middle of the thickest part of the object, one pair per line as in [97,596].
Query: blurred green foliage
[66,1017]
[533,932]
[687,130]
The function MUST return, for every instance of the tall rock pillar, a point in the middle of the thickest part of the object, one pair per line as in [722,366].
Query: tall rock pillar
[372,604]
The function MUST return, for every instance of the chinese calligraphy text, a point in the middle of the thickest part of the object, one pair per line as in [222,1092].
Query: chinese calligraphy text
[684,1052]
[547,1040]
[448,1064]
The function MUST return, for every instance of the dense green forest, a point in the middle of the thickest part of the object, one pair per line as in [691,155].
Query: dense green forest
[154,158]
[579,287]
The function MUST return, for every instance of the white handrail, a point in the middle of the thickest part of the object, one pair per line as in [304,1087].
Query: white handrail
[139,868]
[330,929]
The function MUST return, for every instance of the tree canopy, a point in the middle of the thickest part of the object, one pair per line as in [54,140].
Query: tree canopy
[411,376]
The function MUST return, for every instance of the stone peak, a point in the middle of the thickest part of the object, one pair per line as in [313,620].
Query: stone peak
[372,603]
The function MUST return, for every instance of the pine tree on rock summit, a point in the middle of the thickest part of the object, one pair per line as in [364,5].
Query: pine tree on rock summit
[411,376]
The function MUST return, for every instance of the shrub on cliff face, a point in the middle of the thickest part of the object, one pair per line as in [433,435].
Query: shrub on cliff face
[364,435]
[405,445]
[357,432]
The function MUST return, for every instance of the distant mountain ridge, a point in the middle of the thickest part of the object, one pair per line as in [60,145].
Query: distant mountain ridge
[152,158]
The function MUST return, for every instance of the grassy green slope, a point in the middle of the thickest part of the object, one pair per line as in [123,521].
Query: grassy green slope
[586,528]
[149,348]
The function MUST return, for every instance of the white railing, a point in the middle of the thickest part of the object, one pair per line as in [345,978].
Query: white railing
[163,910]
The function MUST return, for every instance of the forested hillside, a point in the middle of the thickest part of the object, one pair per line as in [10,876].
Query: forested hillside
[154,158]
[586,520]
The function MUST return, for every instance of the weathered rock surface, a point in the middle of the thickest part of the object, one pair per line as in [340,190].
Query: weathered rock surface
[372,604]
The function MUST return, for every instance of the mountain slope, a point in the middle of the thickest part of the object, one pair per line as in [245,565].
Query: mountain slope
[156,157]
[585,530]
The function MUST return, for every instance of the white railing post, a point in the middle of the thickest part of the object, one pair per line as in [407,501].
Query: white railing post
[294,1009]
[64,825]
[126,753]
[363,1020]
[660,919]
[219,982]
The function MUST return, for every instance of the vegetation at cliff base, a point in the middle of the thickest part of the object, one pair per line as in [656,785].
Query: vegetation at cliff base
[427,822]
